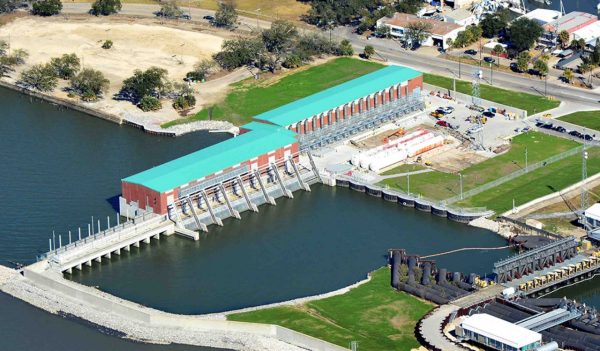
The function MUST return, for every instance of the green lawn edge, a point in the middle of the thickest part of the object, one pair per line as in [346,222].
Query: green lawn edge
[587,119]
[251,97]
[531,103]
[373,314]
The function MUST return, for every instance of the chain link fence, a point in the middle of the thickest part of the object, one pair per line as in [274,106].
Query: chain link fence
[513,175]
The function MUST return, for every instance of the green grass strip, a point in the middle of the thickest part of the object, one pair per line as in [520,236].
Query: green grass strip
[251,97]
[531,103]
[588,119]
[373,314]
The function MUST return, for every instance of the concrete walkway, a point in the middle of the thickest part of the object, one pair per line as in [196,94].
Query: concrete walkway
[431,331]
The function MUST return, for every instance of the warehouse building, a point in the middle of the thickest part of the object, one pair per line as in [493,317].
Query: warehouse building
[340,111]
[256,148]
[498,334]
[571,22]
[274,140]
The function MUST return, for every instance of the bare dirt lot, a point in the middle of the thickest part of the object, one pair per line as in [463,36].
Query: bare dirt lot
[138,45]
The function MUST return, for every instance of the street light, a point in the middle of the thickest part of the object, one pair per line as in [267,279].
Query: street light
[491,74]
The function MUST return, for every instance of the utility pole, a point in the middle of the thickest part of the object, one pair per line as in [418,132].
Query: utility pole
[546,85]
[491,74]
[461,185]
[526,168]
[408,183]
[584,195]
[459,64]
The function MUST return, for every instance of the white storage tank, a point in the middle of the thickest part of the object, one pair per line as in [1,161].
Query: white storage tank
[388,159]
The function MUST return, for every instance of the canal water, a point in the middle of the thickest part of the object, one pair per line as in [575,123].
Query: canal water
[570,5]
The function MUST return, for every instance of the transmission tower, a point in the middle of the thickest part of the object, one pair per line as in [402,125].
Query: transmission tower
[475,92]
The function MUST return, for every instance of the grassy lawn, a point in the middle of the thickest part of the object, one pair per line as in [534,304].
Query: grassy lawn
[404,168]
[251,97]
[529,102]
[540,182]
[588,119]
[372,314]
[438,185]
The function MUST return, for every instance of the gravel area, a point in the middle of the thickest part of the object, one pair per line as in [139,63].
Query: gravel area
[201,125]
[54,302]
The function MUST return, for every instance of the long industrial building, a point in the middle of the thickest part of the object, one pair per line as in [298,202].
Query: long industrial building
[272,141]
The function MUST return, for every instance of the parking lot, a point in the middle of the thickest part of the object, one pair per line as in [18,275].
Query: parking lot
[495,132]
[567,130]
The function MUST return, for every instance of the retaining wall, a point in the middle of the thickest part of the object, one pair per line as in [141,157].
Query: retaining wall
[53,281]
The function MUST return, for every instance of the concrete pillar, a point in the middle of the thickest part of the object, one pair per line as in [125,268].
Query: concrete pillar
[157,236]
[117,252]
[136,244]
[108,255]
[98,259]
[88,263]
[79,267]
[68,271]
[126,248]
[146,241]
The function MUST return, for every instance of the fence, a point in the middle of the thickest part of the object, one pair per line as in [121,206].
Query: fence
[514,175]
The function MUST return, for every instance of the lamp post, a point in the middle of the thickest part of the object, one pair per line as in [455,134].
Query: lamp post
[491,74]
[408,183]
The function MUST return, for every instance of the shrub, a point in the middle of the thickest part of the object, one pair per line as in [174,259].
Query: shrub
[105,7]
[149,103]
[40,77]
[66,66]
[184,102]
[47,7]
[107,44]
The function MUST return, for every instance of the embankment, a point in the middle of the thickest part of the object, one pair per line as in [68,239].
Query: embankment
[221,126]
[48,290]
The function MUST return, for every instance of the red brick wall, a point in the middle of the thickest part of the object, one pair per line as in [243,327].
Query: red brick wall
[414,83]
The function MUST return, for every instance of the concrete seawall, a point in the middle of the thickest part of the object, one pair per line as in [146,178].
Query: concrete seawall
[49,291]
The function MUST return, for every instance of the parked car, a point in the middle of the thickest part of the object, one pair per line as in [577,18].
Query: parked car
[208,18]
[474,129]
[489,59]
[186,17]
[560,129]
[588,137]
[444,124]
[576,134]
[488,114]
[446,109]
[471,52]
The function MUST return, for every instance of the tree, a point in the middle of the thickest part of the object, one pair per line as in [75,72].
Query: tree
[16,58]
[105,7]
[523,33]
[383,31]
[595,56]
[47,7]
[8,5]
[226,15]
[170,9]
[278,40]
[541,67]
[417,32]
[39,77]
[149,103]
[89,84]
[492,24]
[523,61]
[342,12]
[498,50]
[563,38]
[409,6]
[368,52]
[584,68]
[201,70]
[345,48]
[66,66]
[239,52]
[151,82]
[568,75]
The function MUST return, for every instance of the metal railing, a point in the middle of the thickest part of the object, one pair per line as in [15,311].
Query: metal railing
[140,221]
[349,126]
[513,175]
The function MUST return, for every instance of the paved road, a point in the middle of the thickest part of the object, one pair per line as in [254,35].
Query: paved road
[392,51]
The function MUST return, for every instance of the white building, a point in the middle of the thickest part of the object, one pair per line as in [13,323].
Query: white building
[498,334]
[440,31]
[592,216]
[462,17]
[543,16]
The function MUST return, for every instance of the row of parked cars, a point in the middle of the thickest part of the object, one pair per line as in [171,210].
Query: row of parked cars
[561,129]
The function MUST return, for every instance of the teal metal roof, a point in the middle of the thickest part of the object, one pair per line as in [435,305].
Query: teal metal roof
[261,139]
[338,95]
